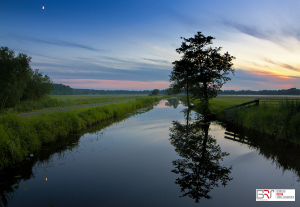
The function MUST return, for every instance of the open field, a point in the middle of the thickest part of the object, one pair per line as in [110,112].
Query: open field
[60,101]
[218,104]
[91,99]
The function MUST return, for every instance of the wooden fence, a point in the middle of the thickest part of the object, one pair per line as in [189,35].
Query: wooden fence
[235,137]
[276,101]
[231,110]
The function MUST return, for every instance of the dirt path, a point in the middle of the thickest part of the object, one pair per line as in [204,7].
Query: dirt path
[65,109]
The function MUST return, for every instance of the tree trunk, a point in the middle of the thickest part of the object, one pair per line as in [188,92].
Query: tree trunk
[187,94]
[205,104]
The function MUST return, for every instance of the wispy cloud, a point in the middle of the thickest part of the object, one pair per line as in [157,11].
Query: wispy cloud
[284,65]
[249,30]
[157,61]
[147,46]
[61,43]
[260,80]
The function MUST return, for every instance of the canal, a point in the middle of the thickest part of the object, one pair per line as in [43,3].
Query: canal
[160,156]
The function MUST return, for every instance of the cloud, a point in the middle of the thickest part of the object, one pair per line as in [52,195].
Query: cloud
[157,61]
[90,70]
[61,43]
[284,65]
[147,46]
[252,31]
[260,80]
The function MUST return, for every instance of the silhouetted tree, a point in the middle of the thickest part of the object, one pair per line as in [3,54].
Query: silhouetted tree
[155,92]
[37,86]
[182,76]
[17,78]
[14,74]
[169,91]
[208,70]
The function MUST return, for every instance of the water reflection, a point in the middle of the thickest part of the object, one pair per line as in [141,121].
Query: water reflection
[199,169]
[12,177]
[283,155]
[172,102]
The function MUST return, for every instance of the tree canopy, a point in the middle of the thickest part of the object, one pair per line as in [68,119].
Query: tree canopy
[202,71]
[155,92]
[18,81]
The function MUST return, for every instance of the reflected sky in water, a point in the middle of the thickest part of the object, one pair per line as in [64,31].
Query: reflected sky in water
[130,163]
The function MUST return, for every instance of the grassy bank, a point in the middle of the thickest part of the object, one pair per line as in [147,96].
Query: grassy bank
[66,101]
[20,137]
[280,121]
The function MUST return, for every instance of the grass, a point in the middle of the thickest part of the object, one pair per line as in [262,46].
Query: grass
[281,121]
[217,105]
[55,101]
[91,99]
[19,136]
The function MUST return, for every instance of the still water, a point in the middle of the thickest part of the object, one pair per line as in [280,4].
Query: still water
[163,157]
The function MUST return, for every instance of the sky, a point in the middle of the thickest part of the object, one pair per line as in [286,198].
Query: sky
[130,45]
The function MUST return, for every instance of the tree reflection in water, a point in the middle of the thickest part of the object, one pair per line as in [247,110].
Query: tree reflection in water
[173,102]
[200,168]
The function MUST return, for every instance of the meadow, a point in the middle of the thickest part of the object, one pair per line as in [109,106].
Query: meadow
[22,136]
[60,101]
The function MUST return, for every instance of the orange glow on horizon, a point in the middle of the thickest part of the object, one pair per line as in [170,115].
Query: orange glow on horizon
[273,75]
[287,86]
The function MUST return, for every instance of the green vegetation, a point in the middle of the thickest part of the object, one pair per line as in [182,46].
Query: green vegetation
[202,71]
[55,101]
[20,136]
[18,81]
[280,121]
[155,92]
[217,105]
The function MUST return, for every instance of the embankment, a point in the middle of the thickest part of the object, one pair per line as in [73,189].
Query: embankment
[281,121]
[20,137]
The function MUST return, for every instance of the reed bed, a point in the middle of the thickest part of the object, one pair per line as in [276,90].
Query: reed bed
[20,137]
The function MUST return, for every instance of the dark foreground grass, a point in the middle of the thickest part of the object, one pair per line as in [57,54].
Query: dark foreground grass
[20,137]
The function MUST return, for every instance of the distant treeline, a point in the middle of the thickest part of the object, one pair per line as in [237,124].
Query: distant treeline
[291,91]
[60,89]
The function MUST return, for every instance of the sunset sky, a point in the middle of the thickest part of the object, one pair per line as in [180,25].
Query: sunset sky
[130,45]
